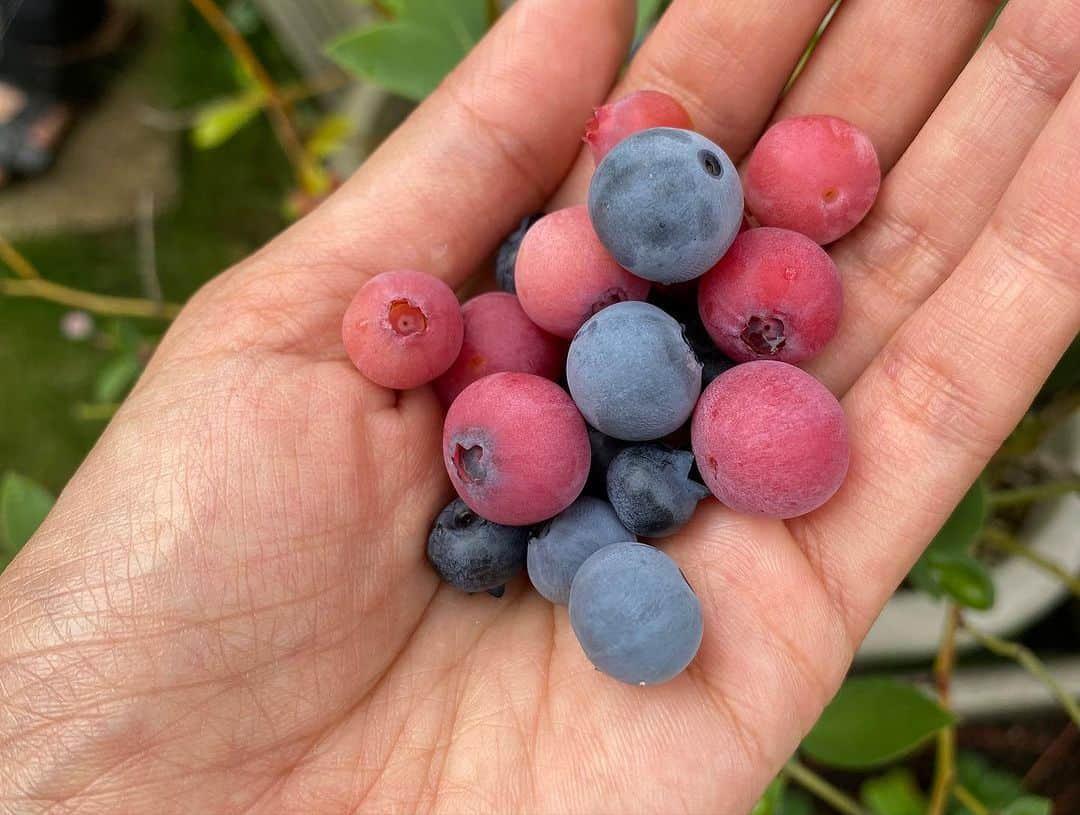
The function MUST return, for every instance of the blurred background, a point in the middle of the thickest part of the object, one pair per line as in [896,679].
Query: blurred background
[198,129]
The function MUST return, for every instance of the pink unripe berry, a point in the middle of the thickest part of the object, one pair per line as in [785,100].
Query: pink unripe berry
[516,448]
[499,336]
[818,175]
[564,275]
[769,439]
[612,123]
[775,295]
[403,329]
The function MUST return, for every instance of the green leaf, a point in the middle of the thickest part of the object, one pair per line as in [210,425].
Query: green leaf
[329,135]
[769,803]
[125,334]
[23,506]
[965,523]
[894,793]
[872,721]
[647,12]
[947,557]
[994,788]
[116,377]
[796,802]
[1029,805]
[962,578]
[217,122]
[410,54]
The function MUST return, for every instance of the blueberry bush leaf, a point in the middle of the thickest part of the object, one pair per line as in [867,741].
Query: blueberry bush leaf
[894,793]
[219,121]
[23,506]
[872,721]
[1029,805]
[947,568]
[994,788]
[410,53]
[116,377]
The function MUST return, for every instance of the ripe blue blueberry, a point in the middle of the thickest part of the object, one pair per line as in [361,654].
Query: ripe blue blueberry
[666,203]
[650,489]
[562,545]
[474,554]
[632,373]
[633,612]
[507,255]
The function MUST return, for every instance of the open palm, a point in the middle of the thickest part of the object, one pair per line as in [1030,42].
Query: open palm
[229,608]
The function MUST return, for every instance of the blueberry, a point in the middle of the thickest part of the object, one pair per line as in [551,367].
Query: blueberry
[474,554]
[650,489]
[507,256]
[563,544]
[604,449]
[633,612]
[632,373]
[667,203]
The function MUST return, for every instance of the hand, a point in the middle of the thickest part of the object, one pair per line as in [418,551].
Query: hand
[229,609]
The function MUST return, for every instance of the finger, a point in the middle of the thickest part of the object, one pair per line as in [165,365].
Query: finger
[489,144]
[940,195]
[884,66]
[709,55]
[955,379]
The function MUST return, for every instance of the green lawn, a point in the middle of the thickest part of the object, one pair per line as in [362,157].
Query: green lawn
[230,203]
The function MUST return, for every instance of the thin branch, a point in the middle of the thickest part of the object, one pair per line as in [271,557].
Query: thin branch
[97,303]
[814,783]
[278,106]
[16,261]
[945,762]
[1028,495]
[1031,663]
[1004,542]
[965,797]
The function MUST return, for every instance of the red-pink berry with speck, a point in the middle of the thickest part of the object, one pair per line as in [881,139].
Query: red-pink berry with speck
[516,448]
[403,329]
[564,275]
[775,294]
[818,175]
[612,123]
[499,336]
[770,440]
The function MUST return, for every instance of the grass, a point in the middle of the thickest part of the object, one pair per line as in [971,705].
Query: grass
[230,203]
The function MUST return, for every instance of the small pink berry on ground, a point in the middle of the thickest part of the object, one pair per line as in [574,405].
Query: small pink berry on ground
[818,175]
[516,448]
[775,294]
[499,336]
[403,329]
[564,275]
[612,123]
[771,440]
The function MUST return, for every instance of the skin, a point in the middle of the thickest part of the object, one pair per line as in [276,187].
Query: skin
[229,610]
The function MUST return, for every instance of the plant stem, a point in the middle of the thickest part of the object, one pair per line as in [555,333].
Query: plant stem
[16,261]
[1005,542]
[1031,663]
[945,762]
[278,106]
[1028,495]
[814,783]
[964,796]
[97,303]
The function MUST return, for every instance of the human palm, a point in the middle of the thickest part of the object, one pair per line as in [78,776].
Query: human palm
[229,609]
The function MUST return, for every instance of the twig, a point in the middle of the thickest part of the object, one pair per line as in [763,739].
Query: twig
[278,107]
[1027,660]
[1048,761]
[146,246]
[16,261]
[964,796]
[814,783]
[97,303]
[945,762]
[1028,495]
[1005,542]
